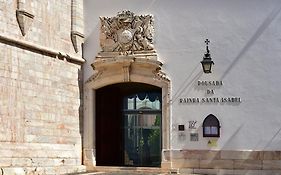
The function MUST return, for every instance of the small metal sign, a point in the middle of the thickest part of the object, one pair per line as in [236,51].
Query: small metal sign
[194,137]
[192,124]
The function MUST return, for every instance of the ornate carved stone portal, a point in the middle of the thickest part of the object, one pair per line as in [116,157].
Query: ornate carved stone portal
[127,47]
[127,55]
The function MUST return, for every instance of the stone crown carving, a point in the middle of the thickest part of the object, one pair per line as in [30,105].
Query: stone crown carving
[126,32]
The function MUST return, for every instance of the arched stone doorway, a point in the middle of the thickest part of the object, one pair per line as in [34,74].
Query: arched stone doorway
[127,56]
[128,125]
[142,75]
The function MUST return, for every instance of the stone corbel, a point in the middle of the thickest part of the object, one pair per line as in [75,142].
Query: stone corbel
[77,39]
[25,20]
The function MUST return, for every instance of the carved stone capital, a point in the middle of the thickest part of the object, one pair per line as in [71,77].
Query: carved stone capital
[25,20]
[77,40]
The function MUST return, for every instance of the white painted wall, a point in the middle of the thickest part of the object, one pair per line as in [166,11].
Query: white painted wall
[245,46]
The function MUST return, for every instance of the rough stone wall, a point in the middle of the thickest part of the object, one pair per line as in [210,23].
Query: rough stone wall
[39,90]
[50,27]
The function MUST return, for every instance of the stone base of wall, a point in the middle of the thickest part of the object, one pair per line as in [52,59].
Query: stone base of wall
[229,172]
[232,162]
[39,159]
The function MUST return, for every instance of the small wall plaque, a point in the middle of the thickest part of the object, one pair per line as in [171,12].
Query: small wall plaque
[212,143]
[181,127]
[194,137]
[192,124]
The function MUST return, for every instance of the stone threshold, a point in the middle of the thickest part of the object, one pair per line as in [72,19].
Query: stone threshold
[124,169]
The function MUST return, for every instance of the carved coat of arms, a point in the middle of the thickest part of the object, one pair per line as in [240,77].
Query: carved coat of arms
[126,32]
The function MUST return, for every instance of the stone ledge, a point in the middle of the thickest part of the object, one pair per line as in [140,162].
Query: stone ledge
[41,49]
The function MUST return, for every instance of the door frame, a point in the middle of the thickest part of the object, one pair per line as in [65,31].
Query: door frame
[127,69]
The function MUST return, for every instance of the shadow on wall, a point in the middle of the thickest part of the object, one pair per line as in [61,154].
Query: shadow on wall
[253,39]
[186,85]
[81,113]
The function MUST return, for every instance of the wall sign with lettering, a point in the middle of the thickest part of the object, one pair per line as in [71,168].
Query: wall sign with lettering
[209,88]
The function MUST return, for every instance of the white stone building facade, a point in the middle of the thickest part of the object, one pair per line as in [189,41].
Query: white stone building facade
[242,94]
[136,94]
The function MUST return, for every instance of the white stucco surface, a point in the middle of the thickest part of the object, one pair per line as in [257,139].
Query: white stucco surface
[245,46]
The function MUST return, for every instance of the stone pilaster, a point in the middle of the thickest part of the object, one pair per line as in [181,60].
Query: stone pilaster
[76,34]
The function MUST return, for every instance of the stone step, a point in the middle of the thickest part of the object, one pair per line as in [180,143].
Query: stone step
[55,170]
[130,170]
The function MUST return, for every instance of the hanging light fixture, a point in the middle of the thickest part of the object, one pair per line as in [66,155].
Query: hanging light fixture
[207,60]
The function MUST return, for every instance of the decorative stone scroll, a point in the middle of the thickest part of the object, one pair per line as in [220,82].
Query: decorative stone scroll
[126,32]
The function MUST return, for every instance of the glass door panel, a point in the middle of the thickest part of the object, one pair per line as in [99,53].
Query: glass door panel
[142,134]
[142,129]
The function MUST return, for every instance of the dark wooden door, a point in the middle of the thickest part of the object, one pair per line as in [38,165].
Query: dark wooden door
[108,127]
[112,138]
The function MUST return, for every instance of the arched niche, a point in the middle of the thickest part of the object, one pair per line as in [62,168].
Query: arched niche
[211,126]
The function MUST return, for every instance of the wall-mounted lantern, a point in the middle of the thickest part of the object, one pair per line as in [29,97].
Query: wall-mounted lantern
[207,60]
[211,126]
